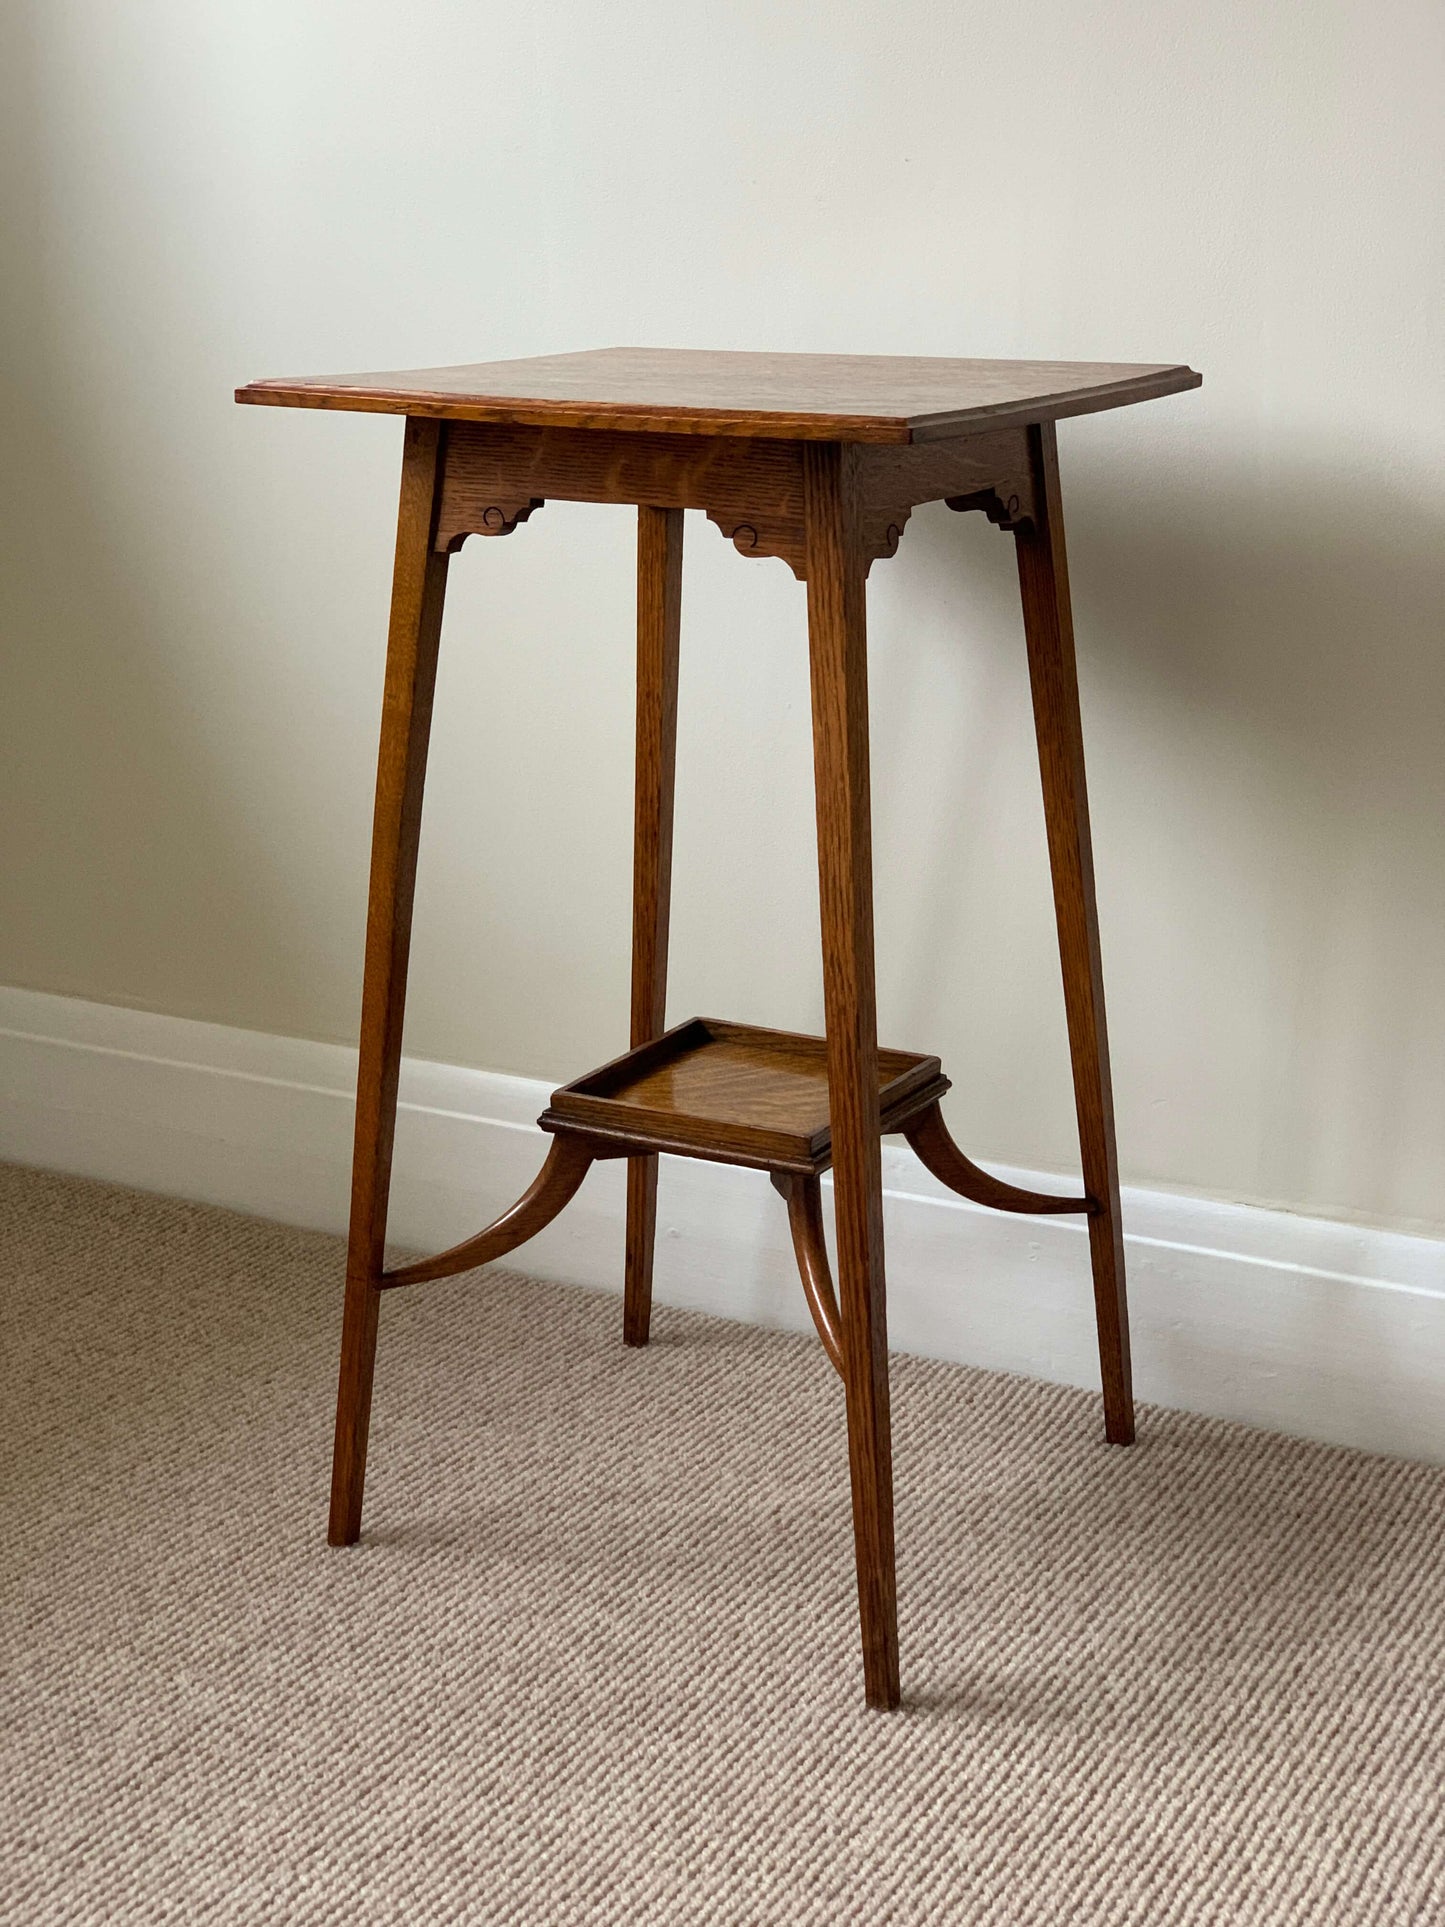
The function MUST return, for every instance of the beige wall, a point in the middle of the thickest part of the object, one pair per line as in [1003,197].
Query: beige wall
[193,595]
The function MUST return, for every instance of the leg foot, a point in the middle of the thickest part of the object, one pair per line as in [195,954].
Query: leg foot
[353,1410]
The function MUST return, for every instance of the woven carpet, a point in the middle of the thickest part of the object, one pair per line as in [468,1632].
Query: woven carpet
[595,1658]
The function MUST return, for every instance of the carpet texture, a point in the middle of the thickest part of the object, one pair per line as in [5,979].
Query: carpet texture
[595,1658]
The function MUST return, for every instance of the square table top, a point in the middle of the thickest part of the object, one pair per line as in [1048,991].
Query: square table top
[693,391]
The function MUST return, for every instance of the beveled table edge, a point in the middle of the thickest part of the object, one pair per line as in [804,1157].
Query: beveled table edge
[678,419]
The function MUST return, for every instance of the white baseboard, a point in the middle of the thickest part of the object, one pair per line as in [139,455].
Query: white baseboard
[1328,1330]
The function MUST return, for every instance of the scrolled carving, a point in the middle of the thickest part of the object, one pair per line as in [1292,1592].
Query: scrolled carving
[779,534]
[1003,513]
[497,475]
[497,518]
[989,472]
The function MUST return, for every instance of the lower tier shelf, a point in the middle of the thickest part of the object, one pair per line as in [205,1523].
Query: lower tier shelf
[733,1093]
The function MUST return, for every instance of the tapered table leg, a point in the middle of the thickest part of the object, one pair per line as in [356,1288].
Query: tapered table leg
[839,674]
[659,616]
[418,589]
[1048,624]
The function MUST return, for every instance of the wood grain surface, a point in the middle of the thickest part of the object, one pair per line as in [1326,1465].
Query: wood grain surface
[733,1093]
[857,398]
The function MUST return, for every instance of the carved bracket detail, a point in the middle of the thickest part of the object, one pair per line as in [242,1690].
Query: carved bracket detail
[496,518]
[1004,514]
[497,476]
[989,472]
[778,534]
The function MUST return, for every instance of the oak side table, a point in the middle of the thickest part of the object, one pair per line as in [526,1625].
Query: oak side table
[818,460]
